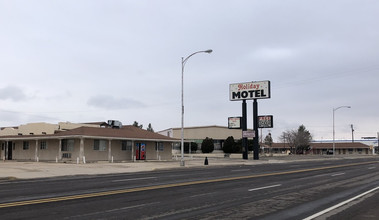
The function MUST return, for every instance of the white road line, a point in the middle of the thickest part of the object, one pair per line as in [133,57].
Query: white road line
[204,194]
[321,175]
[370,168]
[132,179]
[337,174]
[340,204]
[265,187]
[112,210]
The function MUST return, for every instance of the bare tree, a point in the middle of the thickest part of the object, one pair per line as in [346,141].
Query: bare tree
[288,137]
[297,140]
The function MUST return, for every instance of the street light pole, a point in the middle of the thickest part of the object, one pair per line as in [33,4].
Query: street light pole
[184,61]
[334,133]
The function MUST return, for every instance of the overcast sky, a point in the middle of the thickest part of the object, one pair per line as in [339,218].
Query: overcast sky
[86,61]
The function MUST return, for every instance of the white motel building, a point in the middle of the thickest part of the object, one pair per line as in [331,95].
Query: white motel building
[83,142]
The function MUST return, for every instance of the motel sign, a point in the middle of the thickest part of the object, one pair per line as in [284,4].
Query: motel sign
[249,90]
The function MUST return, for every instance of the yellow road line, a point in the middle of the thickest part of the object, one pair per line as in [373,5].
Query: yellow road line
[139,189]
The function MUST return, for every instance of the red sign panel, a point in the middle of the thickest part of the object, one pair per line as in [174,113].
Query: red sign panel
[265,121]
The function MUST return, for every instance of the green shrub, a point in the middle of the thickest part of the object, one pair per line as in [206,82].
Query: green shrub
[229,145]
[207,146]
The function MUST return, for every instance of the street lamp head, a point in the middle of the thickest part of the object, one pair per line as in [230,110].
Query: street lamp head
[344,106]
[201,51]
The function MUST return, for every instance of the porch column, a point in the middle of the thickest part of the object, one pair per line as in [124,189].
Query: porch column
[5,150]
[60,149]
[132,154]
[81,150]
[157,149]
[36,152]
[110,150]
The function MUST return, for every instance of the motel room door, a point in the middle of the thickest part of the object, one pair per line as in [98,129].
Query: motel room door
[140,151]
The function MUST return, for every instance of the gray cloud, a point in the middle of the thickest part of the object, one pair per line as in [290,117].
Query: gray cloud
[26,117]
[111,102]
[13,93]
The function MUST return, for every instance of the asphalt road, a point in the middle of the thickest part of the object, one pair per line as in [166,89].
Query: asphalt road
[297,190]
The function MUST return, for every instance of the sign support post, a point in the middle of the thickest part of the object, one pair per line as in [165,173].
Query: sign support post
[245,147]
[256,138]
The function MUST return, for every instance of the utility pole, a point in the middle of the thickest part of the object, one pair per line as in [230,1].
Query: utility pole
[352,133]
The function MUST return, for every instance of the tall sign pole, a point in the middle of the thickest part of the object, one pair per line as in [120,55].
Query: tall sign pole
[256,138]
[245,147]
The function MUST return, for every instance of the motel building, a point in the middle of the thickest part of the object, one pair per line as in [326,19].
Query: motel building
[83,143]
[317,148]
[220,133]
[197,134]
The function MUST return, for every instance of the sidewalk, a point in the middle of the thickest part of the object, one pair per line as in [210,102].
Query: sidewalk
[29,170]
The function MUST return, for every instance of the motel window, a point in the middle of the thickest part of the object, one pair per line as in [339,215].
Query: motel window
[126,145]
[67,145]
[100,145]
[25,145]
[66,155]
[176,146]
[43,145]
[159,146]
